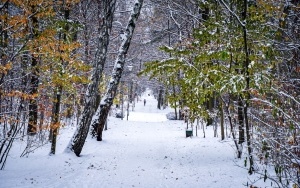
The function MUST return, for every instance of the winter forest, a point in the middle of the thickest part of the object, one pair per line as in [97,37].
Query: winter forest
[228,64]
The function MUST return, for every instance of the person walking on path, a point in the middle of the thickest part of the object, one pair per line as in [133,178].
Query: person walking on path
[144,102]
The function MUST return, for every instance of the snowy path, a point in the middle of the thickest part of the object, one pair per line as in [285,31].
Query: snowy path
[146,151]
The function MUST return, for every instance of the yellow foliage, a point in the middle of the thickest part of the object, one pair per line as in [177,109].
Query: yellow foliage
[5,68]
[19,94]
[55,125]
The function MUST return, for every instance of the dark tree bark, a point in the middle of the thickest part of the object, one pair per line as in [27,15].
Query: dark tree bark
[79,137]
[222,121]
[159,98]
[55,124]
[131,93]
[55,120]
[241,121]
[243,7]
[105,104]
[247,94]
[175,107]
[34,82]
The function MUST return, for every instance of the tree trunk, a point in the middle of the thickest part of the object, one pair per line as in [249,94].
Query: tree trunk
[4,40]
[159,98]
[239,150]
[104,107]
[131,92]
[165,98]
[209,106]
[79,137]
[247,94]
[175,104]
[241,120]
[34,83]
[55,120]
[55,124]
[243,24]
[222,121]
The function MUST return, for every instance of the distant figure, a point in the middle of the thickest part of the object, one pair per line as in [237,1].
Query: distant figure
[144,102]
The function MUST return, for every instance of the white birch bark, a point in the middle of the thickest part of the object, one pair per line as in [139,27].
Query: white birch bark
[107,100]
[79,137]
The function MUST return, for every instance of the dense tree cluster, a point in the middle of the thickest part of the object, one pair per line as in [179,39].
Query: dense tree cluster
[240,67]
[233,63]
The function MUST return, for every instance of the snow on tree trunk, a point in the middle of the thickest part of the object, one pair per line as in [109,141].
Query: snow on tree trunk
[107,100]
[247,94]
[79,137]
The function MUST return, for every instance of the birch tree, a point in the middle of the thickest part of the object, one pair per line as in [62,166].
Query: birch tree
[79,137]
[107,100]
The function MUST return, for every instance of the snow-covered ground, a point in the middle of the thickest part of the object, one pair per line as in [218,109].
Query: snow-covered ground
[146,151]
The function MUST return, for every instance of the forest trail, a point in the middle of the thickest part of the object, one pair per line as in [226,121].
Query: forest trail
[150,151]
[146,151]
[149,112]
